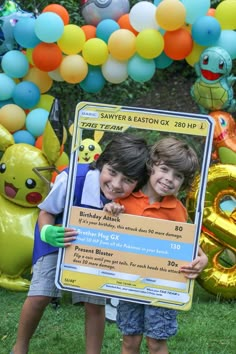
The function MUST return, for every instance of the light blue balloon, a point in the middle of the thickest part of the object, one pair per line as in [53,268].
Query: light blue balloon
[24,33]
[105,28]
[23,136]
[7,86]
[94,81]
[36,121]
[15,64]
[195,9]
[163,61]
[140,69]
[206,30]
[26,94]
[157,2]
[227,41]
[49,27]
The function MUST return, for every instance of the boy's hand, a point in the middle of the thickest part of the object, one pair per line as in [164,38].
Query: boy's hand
[114,208]
[57,236]
[192,270]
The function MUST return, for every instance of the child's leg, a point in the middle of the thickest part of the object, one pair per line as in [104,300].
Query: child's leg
[94,321]
[130,320]
[42,290]
[30,317]
[131,344]
[160,324]
[156,346]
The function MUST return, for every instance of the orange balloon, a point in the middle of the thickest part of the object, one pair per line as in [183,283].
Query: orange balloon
[89,31]
[59,10]
[39,142]
[178,44]
[47,56]
[211,12]
[39,78]
[124,22]
[55,173]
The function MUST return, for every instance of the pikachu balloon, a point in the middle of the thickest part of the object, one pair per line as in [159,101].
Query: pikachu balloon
[89,149]
[24,169]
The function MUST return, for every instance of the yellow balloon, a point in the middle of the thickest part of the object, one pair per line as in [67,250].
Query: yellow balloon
[63,160]
[12,117]
[19,212]
[218,229]
[73,68]
[72,39]
[28,54]
[45,102]
[149,43]
[39,78]
[194,56]
[225,13]
[122,44]
[170,14]
[95,51]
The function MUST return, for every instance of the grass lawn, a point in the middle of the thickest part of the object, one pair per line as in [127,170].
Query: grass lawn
[208,328]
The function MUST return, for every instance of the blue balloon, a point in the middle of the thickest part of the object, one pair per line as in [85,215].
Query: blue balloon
[227,41]
[49,27]
[15,64]
[206,30]
[23,136]
[105,28]
[195,9]
[3,103]
[94,81]
[140,69]
[163,61]
[7,86]
[26,94]
[24,33]
[36,121]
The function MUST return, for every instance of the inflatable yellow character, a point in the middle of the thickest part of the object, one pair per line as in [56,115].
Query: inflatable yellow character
[24,169]
[218,234]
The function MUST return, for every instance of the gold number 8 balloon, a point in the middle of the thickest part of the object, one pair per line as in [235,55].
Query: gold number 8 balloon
[23,172]
[218,230]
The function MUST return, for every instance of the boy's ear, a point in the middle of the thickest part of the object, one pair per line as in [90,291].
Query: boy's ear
[53,134]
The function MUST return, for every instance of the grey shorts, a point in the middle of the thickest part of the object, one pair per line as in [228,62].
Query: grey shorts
[43,282]
[151,321]
[43,279]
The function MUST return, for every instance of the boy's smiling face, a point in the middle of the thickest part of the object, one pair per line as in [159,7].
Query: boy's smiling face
[115,184]
[165,180]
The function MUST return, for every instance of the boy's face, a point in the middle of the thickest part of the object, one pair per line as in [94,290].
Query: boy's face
[115,184]
[165,180]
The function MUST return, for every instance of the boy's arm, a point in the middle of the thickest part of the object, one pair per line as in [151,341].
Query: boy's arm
[56,236]
[193,269]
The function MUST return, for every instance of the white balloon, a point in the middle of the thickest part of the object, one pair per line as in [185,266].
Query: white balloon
[115,71]
[142,16]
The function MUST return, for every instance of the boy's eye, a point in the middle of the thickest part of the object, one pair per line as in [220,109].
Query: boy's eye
[129,181]
[179,176]
[111,171]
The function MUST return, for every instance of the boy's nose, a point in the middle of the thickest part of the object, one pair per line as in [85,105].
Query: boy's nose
[116,182]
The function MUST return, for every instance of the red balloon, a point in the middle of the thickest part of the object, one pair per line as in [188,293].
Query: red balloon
[47,56]
[178,44]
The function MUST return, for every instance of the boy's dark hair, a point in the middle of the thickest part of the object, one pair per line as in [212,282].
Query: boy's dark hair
[176,154]
[127,154]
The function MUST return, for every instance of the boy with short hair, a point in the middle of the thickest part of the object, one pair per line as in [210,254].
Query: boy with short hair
[171,166]
[120,169]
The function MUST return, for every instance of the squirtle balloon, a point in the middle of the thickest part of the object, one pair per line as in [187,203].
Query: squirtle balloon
[213,89]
